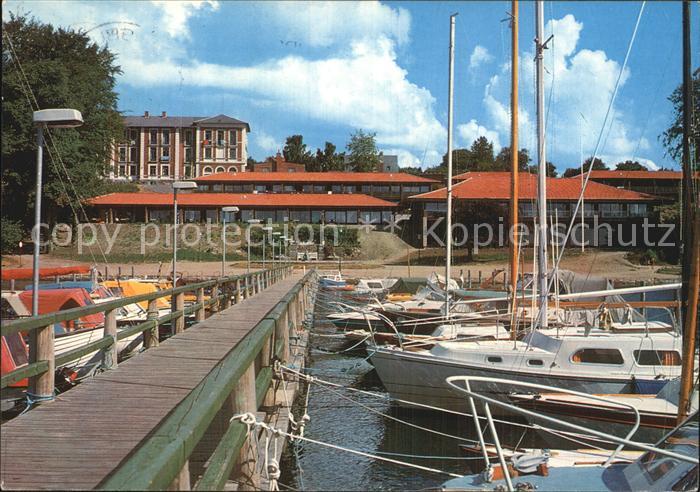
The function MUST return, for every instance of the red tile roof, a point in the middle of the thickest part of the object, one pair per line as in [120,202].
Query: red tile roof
[258,200]
[314,177]
[496,186]
[602,174]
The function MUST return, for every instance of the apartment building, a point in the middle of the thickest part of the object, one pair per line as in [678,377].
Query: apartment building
[166,148]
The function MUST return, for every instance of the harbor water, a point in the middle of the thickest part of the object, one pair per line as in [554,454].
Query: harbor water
[372,425]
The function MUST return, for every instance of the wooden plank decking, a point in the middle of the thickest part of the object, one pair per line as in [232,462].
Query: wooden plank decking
[77,440]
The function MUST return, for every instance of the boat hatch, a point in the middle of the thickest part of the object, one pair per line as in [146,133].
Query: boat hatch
[597,356]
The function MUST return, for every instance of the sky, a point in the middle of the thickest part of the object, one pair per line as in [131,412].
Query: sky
[325,70]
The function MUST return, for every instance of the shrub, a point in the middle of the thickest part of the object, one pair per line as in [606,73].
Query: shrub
[11,235]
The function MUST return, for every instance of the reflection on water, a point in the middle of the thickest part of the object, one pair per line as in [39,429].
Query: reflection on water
[336,420]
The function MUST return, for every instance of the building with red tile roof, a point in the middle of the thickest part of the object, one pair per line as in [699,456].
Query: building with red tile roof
[666,184]
[198,207]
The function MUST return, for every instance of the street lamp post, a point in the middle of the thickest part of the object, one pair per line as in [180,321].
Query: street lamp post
[274,235]
[45,118]
[178,185]
[283,248]
[224,211]
[250,223]
[265,229]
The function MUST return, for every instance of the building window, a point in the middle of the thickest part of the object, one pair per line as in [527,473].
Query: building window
[277,188]
[319,188]
[330,216]
[188,171]
[192,215]
[166,137]
[220,169]
[233,169]
[352,217]
[557,208]
[260,188]
[133,171]
[165,154]
[233,137]
[133,154]
[340,217]
[133,135]
[207,137]
[337,188]
[526,209]
[307,188]
[164,216]
[217,187]
[316,216]
[366,189]
[440,206]
[657,357]
[637,209]
[165,170]
[612,209]
[188,137]
[153,137]
[206,171]
[152,154]
[122,170]
[281,216]
[122,154]
[233,153]
[290,188]
[207,152]
[349,189]
[424,189]
[588,210]
[153,171]
[396,189]
[188,154]
[220,138]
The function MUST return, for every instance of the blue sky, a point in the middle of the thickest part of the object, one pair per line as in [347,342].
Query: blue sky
[325,69]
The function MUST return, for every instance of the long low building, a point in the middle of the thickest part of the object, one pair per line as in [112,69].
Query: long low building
[388,186]
[484,197]
[312,208]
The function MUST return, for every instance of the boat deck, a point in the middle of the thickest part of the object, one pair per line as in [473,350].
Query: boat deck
[78,440]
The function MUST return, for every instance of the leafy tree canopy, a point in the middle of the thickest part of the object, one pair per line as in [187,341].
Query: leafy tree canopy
[672,138]
[327,159]
[362,152]
[630,166]
[598,165]
[64,69]
[295,150]
[551,170]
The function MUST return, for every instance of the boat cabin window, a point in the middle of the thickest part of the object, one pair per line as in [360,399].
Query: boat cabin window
[535,362]
[657,357]
[375,285]
[494,359]
[18,350]
[597,356]
[6,310]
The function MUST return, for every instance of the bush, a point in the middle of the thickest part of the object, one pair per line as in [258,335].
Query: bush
[11,235]
[649,257]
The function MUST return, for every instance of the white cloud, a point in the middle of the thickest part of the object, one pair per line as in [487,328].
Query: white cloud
[176,14]
[479,56]
[583,82]
[470,131]
[613,159]
[322,24]
[265,142]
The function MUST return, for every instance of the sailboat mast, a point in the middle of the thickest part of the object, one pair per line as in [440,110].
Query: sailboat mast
[541,167]
[448,211]
[514,164]
[691,223]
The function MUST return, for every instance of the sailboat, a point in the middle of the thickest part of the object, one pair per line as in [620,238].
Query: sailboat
[590,360]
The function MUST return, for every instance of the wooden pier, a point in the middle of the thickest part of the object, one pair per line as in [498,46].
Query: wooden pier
[161,419]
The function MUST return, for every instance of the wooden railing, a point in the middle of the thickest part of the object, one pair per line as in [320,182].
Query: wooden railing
[238,384]
[43,361]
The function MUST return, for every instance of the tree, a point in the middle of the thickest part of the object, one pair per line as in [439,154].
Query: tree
[630,166]
[672,138]
[482,154]
[64,69]
[502,161]
[327,160]
[551,170]
[461,161]
[295,150]
[250,162]
[362,152]
[598,165]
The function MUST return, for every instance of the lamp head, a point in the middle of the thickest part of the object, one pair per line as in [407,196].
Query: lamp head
[229,209]
[184,185]
[58,118]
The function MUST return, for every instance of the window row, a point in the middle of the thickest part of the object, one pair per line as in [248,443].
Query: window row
[221,138]
[278,216]
[293,188]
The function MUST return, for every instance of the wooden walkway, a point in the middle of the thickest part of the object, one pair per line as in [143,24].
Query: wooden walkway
[80,438]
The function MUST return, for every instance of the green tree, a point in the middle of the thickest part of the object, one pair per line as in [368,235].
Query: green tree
[327,159]
[598,165]
[630,166]
[295,150]
[461,161]
[551,170]
[11,235]
[672,138]
[362,152]
[482,154]
[63,69]
[502,161]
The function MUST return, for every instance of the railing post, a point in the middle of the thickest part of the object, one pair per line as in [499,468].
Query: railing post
[150,337]
[246,292]
[216,305]
[226,290]
[238,290]
[258,283]
[109,360]
[244,401]
[41,348]
[179,323]
[199,313]
[182,480]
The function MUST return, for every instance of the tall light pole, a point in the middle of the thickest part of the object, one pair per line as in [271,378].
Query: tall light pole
[265,229]
[177,185]
[250,223]
[45,118]
[224,211]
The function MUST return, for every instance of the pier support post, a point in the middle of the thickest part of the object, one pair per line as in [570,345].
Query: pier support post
[199,314]
[179,323]
[182,480]
[246,293]
[109,359]
[150,337]
[226,290]
[238,290]
[216,305]
[244,401]
[41,347]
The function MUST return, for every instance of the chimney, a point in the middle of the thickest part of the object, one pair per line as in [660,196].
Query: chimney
[163,114]
[146,114]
